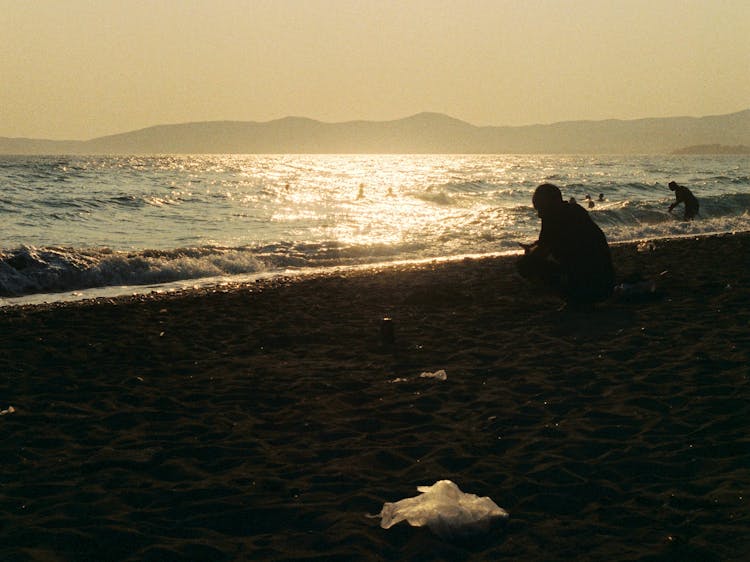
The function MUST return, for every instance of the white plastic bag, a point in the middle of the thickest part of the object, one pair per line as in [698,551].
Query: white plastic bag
[444,509]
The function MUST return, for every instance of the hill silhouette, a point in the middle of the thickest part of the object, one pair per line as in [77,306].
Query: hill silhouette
[418,134]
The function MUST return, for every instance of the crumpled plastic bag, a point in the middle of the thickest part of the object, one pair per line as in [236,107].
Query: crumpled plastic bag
[444,509]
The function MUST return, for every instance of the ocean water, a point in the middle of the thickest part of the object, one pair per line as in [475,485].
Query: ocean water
[84,226]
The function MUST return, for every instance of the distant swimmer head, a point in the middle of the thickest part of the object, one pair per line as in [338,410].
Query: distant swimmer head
[547,197]
[673,185]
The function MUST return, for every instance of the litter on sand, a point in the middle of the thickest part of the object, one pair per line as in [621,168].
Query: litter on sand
[444,509]
[440,375]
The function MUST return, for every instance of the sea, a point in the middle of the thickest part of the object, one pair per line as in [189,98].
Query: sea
[78,227]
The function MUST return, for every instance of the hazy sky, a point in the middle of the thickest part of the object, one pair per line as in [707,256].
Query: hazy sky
[77,69]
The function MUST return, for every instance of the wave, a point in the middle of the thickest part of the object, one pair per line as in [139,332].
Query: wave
[28,270]
[640,210]
[438,198]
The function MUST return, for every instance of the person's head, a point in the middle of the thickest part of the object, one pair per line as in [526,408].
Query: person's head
[673,185]
[547,198]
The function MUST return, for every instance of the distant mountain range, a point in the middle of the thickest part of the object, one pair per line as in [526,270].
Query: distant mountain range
[423,133]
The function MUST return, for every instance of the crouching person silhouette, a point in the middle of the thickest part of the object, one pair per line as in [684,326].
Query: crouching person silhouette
[571,258]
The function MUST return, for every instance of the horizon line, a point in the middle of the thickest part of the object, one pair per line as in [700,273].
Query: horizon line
[351,121]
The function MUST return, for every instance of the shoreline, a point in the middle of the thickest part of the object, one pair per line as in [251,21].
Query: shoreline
[206,285]
[267,420]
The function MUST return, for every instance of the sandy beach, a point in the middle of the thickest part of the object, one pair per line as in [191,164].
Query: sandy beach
[267,421]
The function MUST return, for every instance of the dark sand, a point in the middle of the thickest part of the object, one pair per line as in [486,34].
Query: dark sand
[261,422]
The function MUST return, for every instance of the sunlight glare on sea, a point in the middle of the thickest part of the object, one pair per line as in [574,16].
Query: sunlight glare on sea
[89,222]
[374,200]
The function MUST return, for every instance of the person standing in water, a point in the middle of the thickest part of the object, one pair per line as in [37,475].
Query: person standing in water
[684,195]
[571,257]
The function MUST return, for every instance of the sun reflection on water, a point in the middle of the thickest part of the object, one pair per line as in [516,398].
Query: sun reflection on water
[369,200]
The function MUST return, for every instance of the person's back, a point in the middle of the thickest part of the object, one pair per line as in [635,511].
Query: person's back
[579,245]
[683,195]
[583,270]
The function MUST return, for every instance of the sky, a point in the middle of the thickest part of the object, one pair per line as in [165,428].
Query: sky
[79,69]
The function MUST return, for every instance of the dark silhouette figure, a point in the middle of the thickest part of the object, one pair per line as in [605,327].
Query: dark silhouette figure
[571,257]
[589,201]
[684,195]
[601,197]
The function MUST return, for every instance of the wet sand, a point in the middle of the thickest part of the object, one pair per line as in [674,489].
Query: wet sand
[266,421]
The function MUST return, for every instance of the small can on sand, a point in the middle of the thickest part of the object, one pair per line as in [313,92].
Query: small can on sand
[386,331]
